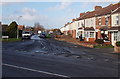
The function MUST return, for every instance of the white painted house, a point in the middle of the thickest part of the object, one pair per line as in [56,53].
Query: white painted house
[115,29]
[90,29]
[79,28]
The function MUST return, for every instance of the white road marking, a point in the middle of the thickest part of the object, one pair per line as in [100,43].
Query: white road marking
[49,73]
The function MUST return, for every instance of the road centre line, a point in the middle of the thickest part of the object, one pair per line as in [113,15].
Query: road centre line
[49,73]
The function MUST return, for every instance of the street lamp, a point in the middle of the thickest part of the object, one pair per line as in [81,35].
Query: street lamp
[17,27]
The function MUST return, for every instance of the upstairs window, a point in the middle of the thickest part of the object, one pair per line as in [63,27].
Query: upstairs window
[107,18]
[117,20]
[82,24]
[78,24]
[99,21]
[91,23]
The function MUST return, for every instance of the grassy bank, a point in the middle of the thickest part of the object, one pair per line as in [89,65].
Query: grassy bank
[103,46]
[11,40]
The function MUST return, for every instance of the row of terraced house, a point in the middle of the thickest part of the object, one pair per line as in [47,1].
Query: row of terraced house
[101,23]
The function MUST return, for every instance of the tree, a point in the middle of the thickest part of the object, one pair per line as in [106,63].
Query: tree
[12,29]
[38,27]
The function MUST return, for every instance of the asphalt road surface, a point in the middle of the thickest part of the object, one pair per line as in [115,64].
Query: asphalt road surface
[39,57]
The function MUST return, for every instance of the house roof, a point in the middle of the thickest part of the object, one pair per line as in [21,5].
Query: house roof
[102,11]
[4,27]
[116,11]
[89,29]
[108,9]
[21,27]
[114,28]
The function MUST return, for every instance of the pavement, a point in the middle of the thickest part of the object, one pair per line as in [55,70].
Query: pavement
[40,57]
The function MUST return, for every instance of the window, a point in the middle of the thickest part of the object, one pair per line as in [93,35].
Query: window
[78,24]
[91,34]
[107,18]
[91,23]
[85,34]
[117,20]
[82,24]
[99,21]
[78,34]
[115,36]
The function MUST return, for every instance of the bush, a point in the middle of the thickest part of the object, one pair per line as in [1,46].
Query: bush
[99,41]
[118,43]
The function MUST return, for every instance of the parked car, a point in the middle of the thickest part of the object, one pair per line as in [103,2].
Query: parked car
[42,35]
[26,34]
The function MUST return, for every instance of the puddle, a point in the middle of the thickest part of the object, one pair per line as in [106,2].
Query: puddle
[75,46]
[39,51]
[107,60]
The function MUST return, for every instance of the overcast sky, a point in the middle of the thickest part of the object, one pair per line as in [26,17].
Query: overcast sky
[48,14]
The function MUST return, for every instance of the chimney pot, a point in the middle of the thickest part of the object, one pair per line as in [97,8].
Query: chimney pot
[81,14]
[98,7]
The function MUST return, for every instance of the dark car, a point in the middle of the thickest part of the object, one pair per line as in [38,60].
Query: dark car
[43,35]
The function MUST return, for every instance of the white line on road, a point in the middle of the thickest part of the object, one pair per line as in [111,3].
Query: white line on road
[49,73]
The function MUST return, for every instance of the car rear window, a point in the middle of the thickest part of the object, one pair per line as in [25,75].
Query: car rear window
[27,32]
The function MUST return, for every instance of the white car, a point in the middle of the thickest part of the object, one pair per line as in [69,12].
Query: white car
[26,34]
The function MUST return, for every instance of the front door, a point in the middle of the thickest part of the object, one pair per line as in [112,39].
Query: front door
[114,38]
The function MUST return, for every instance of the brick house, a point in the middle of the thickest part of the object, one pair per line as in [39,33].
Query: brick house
[101,23]
[87,25]
[104,21]
[69,28]
[21,27]
[4,29]
[96,23]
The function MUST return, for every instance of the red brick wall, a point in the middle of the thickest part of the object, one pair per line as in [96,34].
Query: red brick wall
[103,21]
[99,35]
[85,39]
[109,22]
[73,33]
[91,39]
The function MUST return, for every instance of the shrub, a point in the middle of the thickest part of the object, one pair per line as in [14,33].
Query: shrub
[118,43]
[99,41]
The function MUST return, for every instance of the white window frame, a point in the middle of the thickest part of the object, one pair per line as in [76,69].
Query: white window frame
[107,20]
[99,21]
[115,36]
[90,35]
[117,20]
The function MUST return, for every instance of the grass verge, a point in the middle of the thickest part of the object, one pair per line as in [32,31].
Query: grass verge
[11,40]
[103,46]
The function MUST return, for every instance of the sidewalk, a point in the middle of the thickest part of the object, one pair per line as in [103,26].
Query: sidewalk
[76,41]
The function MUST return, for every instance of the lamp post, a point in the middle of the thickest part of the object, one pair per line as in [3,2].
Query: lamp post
[17,27]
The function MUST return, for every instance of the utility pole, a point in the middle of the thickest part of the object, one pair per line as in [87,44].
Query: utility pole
[17,27]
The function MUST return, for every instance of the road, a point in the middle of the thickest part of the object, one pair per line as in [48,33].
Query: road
[41,57]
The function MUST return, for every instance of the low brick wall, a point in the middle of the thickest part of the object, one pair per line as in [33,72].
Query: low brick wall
[86,45]
[116,49]
[78,43]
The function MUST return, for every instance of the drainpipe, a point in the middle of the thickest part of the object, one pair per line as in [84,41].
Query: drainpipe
[110,25]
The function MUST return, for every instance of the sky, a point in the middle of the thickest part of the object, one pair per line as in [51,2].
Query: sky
[49,14]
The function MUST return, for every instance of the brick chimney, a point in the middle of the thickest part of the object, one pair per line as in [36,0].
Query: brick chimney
[73,20]
[98,7]
[81,14]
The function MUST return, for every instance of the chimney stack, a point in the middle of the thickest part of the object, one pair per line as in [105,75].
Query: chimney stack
[81,14]
[73,20]
[98,7]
